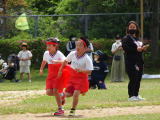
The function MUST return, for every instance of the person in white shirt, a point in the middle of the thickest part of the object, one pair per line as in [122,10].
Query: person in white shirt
[25,61]
[90,51]
[81,66]
[71,46]
[53,57]
[118,64]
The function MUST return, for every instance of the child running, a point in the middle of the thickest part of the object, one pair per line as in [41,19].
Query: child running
[81,67]
[54,86]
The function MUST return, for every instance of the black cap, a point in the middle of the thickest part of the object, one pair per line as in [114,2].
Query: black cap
[98,52]
[118,37]
[54,40]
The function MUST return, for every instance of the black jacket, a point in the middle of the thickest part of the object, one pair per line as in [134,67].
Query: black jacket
[132,56]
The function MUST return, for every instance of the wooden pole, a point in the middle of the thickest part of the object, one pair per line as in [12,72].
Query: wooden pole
[142,18]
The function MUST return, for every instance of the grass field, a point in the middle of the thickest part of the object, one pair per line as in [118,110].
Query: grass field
[128,117]
[114,96]
[38,83]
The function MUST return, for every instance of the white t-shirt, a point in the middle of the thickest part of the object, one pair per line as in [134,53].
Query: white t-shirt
[50,57]
[116,45]
[90,53]
[83,63]
[24,55]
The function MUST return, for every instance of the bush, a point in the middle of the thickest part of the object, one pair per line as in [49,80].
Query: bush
[37,47]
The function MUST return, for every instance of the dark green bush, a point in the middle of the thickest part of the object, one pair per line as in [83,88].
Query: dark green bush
[37,47]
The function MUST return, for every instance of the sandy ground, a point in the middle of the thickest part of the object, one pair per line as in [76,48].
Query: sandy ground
[12,97]
[86,113]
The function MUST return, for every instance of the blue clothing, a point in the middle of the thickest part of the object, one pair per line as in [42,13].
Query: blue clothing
[98,74]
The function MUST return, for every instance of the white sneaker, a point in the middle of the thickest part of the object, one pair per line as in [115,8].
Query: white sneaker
[140,98]
[30,81]
[133,98]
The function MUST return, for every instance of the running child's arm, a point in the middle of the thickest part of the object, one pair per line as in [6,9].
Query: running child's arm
[25,59]
[42,67]
[61,68]
[57,61]
[84,71]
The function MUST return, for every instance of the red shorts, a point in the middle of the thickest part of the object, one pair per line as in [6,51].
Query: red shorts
[77,81]
[52,81]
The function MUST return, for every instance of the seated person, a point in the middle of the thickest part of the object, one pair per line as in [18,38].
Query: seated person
[100,71]
[4,68]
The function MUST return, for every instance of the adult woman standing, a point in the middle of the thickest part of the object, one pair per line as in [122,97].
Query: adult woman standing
[133,48]
[118,66]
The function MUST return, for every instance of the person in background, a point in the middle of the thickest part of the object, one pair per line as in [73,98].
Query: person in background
[133,48]
[71,46]
[90,49]
[4,68]
[1,60]
[118,64]
[100,71]
[25,61]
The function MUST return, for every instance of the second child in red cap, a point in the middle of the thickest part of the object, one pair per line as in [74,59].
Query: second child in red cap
[81,66]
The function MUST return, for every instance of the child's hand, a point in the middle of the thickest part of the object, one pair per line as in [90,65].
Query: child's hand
[24,59]
[59,74]
[100,82]
[78,70]
[55,61]
[139,49]
[41,72]
[120,48]
[137,68]
[145,47]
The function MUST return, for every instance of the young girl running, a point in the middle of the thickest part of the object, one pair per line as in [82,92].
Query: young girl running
[81,66]
[54,86]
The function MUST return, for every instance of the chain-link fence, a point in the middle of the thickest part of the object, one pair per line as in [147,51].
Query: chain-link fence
[92,25]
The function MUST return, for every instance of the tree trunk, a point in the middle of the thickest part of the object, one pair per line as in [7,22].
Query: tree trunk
[155,31]
[4,18]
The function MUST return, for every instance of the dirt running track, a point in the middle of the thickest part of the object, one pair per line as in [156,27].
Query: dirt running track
[13,97]
[86,113]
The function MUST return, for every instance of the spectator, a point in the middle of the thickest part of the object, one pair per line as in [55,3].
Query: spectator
[90,50]
[100,71]
[25,61]
[133,48]
[71,46]
[118,66]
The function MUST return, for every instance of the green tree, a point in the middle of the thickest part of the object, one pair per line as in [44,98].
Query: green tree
[43,6]
[10,7]
[155,30]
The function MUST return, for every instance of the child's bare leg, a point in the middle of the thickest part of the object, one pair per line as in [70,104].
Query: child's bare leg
[75,99]
[58,98]
[68,94]
[21,76]
[29,76]
[49,92]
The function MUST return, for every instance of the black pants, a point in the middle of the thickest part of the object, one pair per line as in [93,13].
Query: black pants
[135,77]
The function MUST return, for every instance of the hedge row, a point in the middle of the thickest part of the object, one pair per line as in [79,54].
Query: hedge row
[37,47]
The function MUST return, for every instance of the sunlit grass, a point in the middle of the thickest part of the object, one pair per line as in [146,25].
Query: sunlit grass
[115,96]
